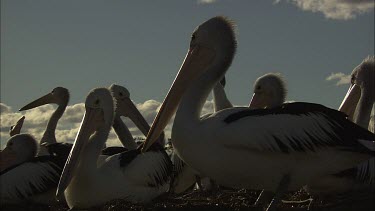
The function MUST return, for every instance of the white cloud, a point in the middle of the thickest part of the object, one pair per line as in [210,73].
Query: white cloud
[341,78]
[334,9]
[4,108]
[206,1]
[67,127]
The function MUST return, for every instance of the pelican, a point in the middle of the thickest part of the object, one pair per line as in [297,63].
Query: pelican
[125,107]
[238,147]
[60,96]
[132,175]
[357,104]
[221,100]
[32,179]
[43,172]
[19,149]
[269,91]
[184,177]
[16,129]
[360,97]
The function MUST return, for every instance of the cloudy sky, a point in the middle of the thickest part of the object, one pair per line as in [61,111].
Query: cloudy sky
[140,44]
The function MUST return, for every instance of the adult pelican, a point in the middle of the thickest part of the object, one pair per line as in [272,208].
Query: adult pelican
[357,104]
[269,92]
[125,107]
[32,179]
[16,129]
[59,96]
[360,98]
[184,177]
[132,175]
[278,149]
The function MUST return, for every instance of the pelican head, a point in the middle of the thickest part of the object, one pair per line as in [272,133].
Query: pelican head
[362,88]
[58,95]
[364,75]
[98,117]
[269,91]
[212,48]
[16,129]
[19,148]
[125,107]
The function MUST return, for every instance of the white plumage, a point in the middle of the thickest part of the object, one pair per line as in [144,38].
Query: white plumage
[129,175]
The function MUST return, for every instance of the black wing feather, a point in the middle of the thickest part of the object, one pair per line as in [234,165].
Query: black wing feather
[36,176]
[342,132]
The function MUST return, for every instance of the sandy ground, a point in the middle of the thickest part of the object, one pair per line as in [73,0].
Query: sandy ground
[223,199]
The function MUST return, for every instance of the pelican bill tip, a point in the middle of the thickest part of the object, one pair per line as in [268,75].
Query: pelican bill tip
[144,149]
[59,194]
[26,107]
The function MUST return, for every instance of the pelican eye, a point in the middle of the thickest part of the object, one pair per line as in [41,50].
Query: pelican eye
[121,94]
[97,102]
[258,87]
[10,144]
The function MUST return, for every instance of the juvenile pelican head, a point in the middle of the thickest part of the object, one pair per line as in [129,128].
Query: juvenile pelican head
[211,50]
[125,107]
[269,91]
[99,115]
[19,149]
[361,93]
[59,96]
[16,129]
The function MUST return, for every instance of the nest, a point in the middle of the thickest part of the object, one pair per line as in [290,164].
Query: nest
[228,199]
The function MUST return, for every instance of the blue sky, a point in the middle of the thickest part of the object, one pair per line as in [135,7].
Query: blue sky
[140,44]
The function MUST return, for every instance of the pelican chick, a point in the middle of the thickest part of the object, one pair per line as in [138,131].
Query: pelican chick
[32,179]
[19,148]
[269,91]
